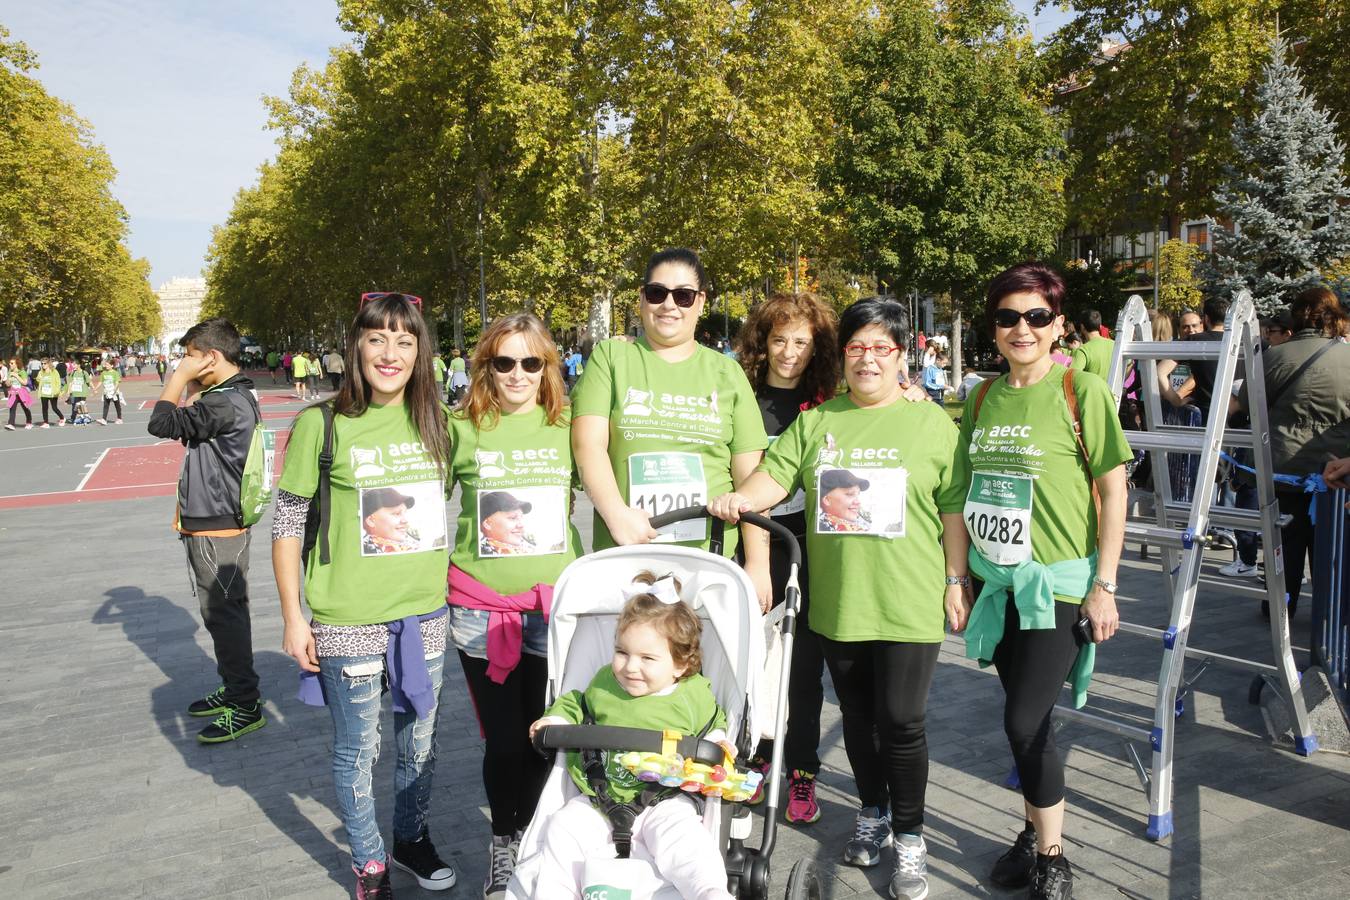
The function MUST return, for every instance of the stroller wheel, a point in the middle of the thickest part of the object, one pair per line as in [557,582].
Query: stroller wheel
[803,881]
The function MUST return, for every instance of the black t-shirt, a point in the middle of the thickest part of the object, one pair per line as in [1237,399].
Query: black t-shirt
[1204,370]
[780,407]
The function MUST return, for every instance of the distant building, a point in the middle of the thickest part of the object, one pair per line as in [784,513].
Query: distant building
[180,305]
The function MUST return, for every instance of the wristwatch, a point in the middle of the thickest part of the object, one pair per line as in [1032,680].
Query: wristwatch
[963,580]
[1108,586]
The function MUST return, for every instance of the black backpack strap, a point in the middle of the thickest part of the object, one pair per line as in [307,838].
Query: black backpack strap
[325,481]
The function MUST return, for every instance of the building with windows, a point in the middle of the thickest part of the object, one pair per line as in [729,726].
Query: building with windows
[180,305]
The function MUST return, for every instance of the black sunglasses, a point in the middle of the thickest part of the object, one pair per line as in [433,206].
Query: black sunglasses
[507,364]
[1039,317]
[656,294]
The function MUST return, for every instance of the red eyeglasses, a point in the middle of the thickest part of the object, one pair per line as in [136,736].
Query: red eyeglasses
[380,295]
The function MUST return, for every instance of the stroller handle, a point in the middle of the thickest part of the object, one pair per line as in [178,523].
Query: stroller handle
[782,532]
[615,738]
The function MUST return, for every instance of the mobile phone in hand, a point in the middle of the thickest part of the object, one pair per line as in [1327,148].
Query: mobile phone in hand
[1083,628]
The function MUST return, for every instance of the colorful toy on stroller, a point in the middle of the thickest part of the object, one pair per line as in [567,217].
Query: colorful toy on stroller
[587,601]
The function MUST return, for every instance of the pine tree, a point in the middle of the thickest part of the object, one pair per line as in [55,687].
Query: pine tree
[1284,197]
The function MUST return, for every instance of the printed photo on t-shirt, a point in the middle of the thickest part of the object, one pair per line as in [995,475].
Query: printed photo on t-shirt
[861,501]
[403,518]
[529,521]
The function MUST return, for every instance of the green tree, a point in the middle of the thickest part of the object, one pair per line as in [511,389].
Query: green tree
[1285,196]
[1178,283]
[946,163]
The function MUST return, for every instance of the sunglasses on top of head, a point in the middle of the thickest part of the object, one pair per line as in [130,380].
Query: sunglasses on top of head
[372,296]
[656,294]
[1039,317]
[505,365]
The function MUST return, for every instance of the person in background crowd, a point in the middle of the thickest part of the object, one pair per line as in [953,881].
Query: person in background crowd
[1278,329]
[313,371]
[1191,323]
[110,386]
[333,365]
[971,381]
[300,375]
[439,367]
[273,364]
[935,378]
[4,378]
[34,366]
[1047,554]
[77,390]
[1095,354]
[1307,384]
[18,397]
[49,392]
[162,366]
[787,349]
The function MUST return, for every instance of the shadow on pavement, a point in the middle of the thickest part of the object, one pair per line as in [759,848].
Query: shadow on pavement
[264,764]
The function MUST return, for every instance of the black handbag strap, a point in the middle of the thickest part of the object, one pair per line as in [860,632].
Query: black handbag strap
[325,481]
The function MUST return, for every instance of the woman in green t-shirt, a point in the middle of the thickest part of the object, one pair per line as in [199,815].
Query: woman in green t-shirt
[378,602]
[662,422]
[1028,481]
[512,459]
[49,392]
[882,514]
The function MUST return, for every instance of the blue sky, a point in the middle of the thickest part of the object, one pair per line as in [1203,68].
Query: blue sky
[173,90]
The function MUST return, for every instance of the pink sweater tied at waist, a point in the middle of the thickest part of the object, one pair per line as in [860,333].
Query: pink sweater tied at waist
[505,631]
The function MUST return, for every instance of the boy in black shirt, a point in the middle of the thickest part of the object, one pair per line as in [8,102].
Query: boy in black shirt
[217,428]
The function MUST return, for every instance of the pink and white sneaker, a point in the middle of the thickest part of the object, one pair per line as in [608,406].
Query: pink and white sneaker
[372,882]
[802,807]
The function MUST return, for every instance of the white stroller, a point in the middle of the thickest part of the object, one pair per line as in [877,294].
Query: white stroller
[586,605]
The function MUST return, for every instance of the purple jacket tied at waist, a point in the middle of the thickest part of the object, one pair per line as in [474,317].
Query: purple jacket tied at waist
[504,631]
[405,665]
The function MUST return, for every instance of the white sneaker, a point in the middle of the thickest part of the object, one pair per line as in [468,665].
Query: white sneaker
[45,425]
[909,880]
[101,421]
[1237,569]
[28,427]
[118,422]
[9,428]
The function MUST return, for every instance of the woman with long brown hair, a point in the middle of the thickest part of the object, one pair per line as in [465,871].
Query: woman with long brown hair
[375,583]
[512,459]
[786,348]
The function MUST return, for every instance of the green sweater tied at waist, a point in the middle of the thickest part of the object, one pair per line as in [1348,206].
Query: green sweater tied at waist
[1034,587]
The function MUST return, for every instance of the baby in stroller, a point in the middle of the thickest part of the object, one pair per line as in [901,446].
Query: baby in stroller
[653,681]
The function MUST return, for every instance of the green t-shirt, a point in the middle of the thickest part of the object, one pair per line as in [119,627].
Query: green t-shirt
[78,383]
[439,365]
[519,471]
[273,359]
[876,481]
[1028,433]
[688,708]
[49,383]
[1095,356]
[386,529]
[299,366]
[457,364]
[673,428]
[110,380]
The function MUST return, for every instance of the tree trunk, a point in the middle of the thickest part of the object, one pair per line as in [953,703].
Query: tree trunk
[599,317]
[956,346]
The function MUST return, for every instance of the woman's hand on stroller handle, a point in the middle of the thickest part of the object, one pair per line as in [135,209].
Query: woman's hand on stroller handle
[629,525]
[729,507]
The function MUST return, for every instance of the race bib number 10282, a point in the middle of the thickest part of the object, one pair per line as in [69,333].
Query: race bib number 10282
[998,517]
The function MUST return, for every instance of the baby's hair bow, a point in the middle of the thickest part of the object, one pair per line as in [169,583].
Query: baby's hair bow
[663,589]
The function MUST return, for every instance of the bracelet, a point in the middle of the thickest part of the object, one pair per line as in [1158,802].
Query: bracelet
[963,580]
[1108,586]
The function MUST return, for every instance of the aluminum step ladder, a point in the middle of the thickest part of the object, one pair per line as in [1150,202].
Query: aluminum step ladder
[1180,530]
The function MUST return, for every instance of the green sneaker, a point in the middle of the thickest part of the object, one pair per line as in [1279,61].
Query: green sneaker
[234,722]
[213,704]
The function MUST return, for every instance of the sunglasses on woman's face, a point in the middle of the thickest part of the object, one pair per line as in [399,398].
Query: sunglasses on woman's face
[656,294]
[380,295]
[505,365]
[1039,317]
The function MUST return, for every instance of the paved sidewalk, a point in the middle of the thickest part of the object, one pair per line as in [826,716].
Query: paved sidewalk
[107,793]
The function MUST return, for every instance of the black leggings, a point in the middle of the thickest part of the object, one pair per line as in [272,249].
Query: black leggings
[14,410]
[513,773]
[54,403]
[1296,541]
[109,402]
[806,689]
[1033,665]
[883,695]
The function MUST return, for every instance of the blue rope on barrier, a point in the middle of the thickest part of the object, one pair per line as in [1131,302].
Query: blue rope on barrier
[1310,484]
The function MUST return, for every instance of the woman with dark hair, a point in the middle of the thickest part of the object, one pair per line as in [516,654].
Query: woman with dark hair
[885,512]
[663,422]
[377,607]
[1307,382]
[512,459]
[786,348]
[1036,444]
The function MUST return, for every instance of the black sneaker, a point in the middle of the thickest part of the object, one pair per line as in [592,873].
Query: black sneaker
[1051,879]
[1013,868]
[502,854]
[419,858]
[213,704]
[234,722]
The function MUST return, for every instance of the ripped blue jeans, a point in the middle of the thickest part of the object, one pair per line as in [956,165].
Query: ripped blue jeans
[353,686]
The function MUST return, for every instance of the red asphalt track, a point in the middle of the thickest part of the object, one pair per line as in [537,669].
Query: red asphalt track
[131,473]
